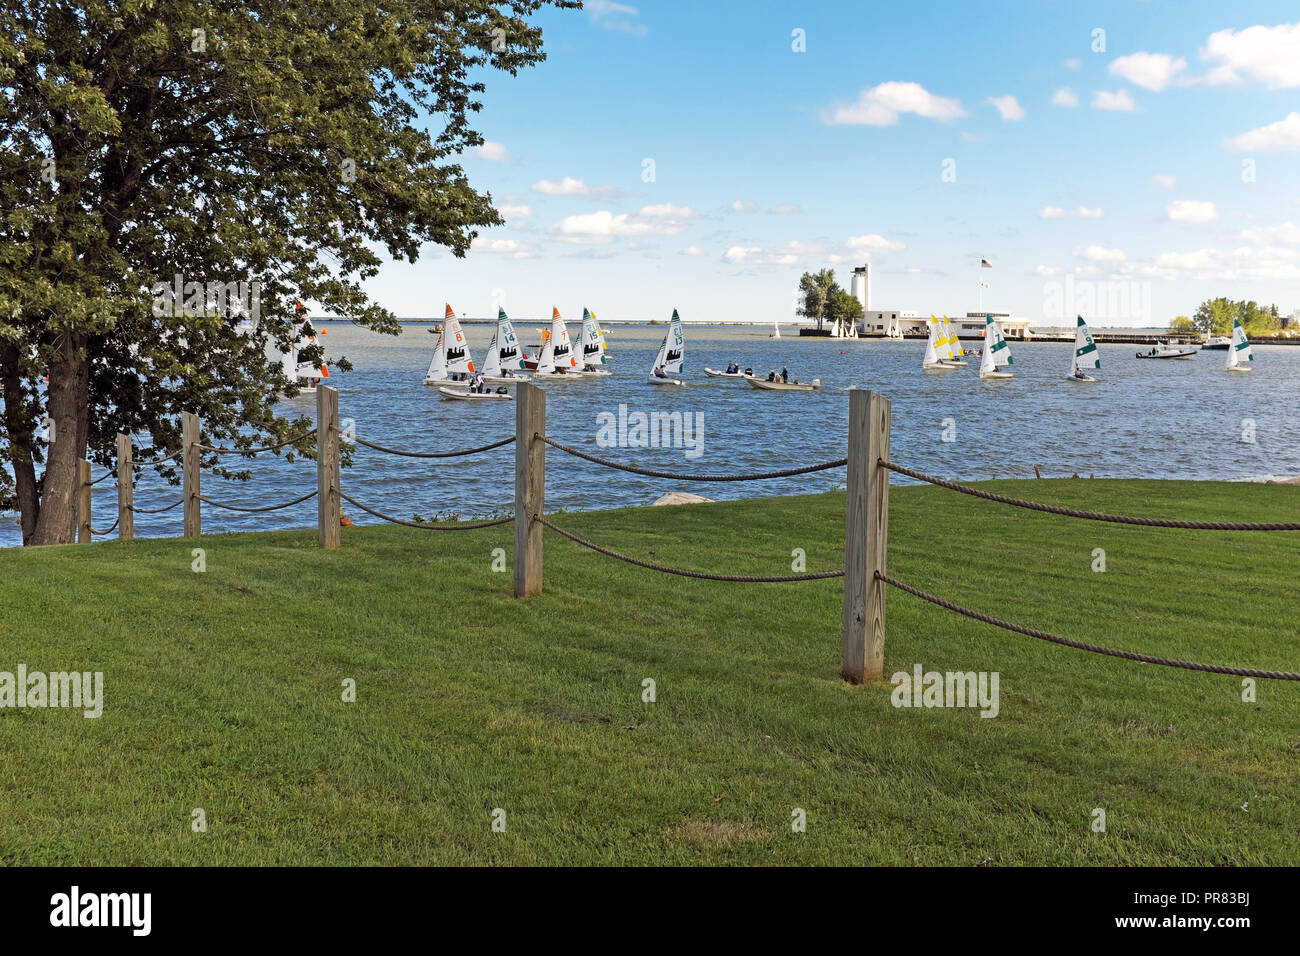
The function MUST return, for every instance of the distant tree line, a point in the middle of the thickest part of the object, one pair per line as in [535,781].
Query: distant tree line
[1214,317]
[823,299]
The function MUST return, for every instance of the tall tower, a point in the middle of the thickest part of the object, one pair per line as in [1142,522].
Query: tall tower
[860,287]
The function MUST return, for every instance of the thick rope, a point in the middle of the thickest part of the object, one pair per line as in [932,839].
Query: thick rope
[702,575]
[286,504]
[156,511]
[110,530]
[159,461]
[651,473]
[1080,645]
[107,474]
[432,454]
[1093,515]
[426,527]
[251,451]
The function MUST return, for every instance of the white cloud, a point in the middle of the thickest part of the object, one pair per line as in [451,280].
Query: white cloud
[693,251]
[603,227]
[1072,63]
[1270,55]
[1151,71]
[741,205]
[504,247]
[668,209]
[1048,270]
[1119,101]
[1065,97]
[1284,134]
[787,209]
[569,186]
[1100,254]
[882,104]
[1056,212]
[1008,106]
[757,256]
[1165,180]
[1192,210]
[615,16]
[873,242]
[496,152]
[515,212]
[1265,235]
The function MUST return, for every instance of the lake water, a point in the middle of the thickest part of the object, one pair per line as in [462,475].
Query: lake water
[1167,419]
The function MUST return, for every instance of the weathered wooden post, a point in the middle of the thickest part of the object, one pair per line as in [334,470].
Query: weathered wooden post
[530,487]
[83,501]
[866,527]
[190,437]
[125,488]
[329,508]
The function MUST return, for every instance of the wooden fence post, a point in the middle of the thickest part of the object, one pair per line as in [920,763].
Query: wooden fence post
[866,527]
[329,508]
[530,487]
[125,488]
[83,501]
[190,437]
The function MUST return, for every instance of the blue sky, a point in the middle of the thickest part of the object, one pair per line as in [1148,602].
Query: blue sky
[1173,179]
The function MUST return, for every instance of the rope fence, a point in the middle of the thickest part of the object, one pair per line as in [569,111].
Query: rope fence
[156,511]
[111,528]
[254,451]
[283,504]
[1091,515]
[702,575]
[1081,645]
[432,454]
[423,526]
[651,473]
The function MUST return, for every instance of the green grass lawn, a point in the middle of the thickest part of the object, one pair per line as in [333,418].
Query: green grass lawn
[223,692]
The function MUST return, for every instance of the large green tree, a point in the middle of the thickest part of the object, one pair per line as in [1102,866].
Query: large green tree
[276,143]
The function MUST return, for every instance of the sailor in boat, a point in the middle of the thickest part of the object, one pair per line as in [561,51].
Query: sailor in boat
[771,376]
[659,372]
[785,374]
[749,371]
[1078,372]
[477,384]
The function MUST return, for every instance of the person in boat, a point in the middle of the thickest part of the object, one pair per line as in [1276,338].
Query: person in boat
[771,376]
[785,374]
[749,371]
[659,372]
[1078,372]
[501,390]
[478,383]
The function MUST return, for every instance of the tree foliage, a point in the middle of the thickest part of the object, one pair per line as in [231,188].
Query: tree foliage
[1215,317]
[277,143]
[823,299]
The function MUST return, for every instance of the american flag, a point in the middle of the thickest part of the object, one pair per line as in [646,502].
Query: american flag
[985,264]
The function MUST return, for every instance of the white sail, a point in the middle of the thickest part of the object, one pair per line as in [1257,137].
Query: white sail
[676,346]
[492,360]
[931,350]
[996,348]
[454,347]
[1239,352]
[954,347]
[776,329]
[1085,350]
[546,358]
[561,347]
[987,362]
[593,343]
[438,364]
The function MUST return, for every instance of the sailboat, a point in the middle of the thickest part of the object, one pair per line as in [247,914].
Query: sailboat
[955,353]
[593,345]
[306,373]
[995,351]
[932,362]
[1239,355]
[1085,355]
[776,330]
[668,360]
[504,362]
[451,355]
[556,362]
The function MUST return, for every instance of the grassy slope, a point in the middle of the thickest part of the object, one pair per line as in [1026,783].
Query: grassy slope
[223,692]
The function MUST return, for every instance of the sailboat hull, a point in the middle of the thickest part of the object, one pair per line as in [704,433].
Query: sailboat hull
[939,367]
[655,380]
[1231,368]
[1075,378]
[997,375]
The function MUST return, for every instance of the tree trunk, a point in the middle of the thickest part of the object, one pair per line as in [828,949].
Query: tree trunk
[67,400]
[22,439]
